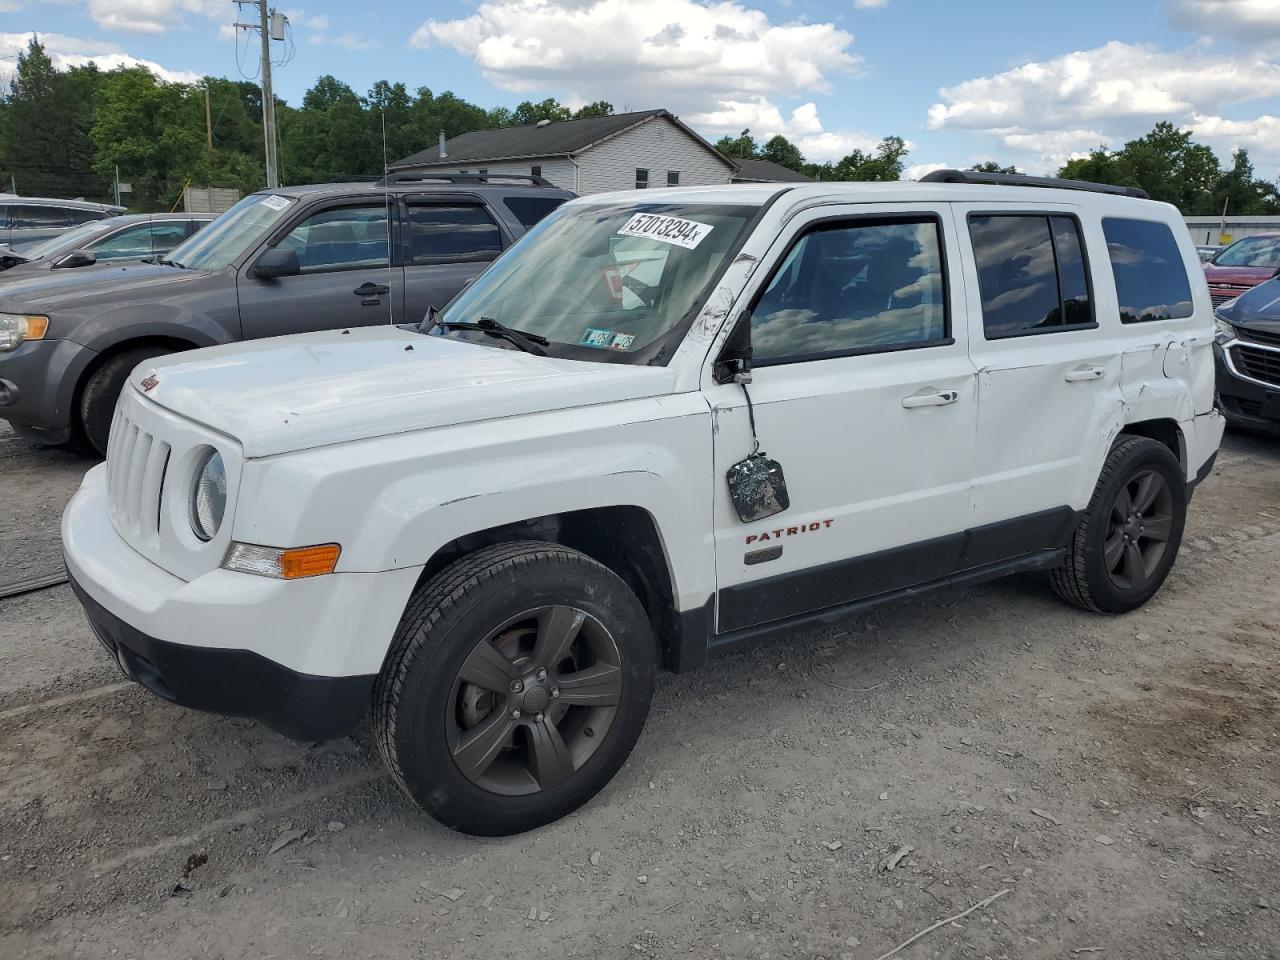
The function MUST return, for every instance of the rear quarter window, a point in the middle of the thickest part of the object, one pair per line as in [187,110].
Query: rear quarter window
[529,210]
[1151,280]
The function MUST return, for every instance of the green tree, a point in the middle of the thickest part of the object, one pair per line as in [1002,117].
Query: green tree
[885,163]
[600,108]
[527,113]
[990,166]
[783,152]
[741,147]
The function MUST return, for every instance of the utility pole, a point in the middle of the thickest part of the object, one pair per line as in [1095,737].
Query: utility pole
[267,20]
[208,117]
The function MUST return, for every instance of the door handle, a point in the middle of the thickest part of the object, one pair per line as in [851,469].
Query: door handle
[938,398]
[369,289]
[1085,374]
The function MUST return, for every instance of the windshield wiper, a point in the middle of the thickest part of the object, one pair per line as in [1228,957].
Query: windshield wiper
[528,342]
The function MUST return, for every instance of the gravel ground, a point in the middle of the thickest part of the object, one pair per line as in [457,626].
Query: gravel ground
[1115,780]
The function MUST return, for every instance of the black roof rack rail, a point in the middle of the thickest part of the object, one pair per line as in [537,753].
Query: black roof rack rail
[1022,180]
[414,176]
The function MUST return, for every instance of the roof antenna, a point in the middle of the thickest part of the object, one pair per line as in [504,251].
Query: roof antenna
[386,190]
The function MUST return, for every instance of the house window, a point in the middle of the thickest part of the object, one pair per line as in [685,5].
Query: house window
[642,178]
[483,171]
[673,178]
[536,170]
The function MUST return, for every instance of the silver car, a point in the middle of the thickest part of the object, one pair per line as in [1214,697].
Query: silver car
[135,236]
[28,220]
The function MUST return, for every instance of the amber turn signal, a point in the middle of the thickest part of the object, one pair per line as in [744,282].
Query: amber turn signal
[309,561]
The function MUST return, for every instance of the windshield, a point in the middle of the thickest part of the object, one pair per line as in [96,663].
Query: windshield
[235,231]
[67,241]
[1251,252]
[607,282]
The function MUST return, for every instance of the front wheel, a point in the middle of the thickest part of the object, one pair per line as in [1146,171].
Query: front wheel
[519,680]
[1129,536]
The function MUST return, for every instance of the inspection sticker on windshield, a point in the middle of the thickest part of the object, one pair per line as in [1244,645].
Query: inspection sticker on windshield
[606,339]
[683,233]
[274,202]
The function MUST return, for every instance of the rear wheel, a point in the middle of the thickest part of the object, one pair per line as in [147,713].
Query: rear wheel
[100,393]
[518,683]
[1128,538]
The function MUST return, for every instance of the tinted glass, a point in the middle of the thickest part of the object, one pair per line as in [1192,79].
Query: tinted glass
[1016,274]
[340,237]
[144,240]
[77,238]
[23,216]
[848,288]
[1151,282]
[1073,272]
[1251,252]
[463,232]
[529,210]
[86,216]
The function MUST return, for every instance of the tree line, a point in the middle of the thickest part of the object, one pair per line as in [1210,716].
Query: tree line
[67,132]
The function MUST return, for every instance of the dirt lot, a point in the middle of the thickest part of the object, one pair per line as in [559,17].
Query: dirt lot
[1120,778]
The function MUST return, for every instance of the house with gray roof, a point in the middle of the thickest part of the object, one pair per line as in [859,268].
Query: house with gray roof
[650,148]
[766,171]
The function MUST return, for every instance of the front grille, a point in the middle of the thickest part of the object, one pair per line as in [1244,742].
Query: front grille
[1220,298]
[1261,365]
[1258,336]
[1221,293]
[136,464]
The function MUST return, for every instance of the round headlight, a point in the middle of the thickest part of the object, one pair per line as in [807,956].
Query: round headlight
[209,496]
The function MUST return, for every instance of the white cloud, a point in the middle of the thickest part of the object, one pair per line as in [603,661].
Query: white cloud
[10,6]
[67,51]
[1054,109]
[1254,23]
[721,65]
[152,16]
[870,4]
[918,170]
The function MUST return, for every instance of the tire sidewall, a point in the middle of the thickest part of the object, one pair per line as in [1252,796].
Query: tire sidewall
[1109,597]
[426,682]
[102,391]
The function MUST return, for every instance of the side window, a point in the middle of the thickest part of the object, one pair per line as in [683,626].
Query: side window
[340,238]
[536,170]
[860,287]
[529,210]
[673,178]
[642,178]
[27,217]
[141,241]
[77,217]
[1031,273]
[1151,282]
[452,232]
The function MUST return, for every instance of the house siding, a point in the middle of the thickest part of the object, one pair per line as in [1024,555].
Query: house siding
[558,170]
[656,144]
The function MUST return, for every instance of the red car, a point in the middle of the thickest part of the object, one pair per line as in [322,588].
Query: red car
[1242,266]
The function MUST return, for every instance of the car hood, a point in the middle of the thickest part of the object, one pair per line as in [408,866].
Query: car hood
[1246,275]
[293,393]
[1256,309]
[54,290]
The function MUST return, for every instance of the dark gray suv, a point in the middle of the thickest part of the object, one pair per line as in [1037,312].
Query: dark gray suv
[286,261]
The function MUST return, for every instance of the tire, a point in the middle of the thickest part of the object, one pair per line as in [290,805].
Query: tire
[99,395]
[467,653]
[1128,538]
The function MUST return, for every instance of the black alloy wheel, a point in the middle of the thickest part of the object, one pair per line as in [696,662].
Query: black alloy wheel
[1140,523]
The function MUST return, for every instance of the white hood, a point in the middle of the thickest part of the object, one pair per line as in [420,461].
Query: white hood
[293,393]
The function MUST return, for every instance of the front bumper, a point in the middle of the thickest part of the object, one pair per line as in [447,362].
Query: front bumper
[37,387]
[300,656]
[1245,401]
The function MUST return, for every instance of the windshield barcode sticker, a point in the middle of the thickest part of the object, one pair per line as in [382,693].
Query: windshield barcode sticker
[683,233]
[274,202]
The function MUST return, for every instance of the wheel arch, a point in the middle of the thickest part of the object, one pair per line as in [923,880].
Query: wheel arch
[1163,430]
[625,538]
[170,344]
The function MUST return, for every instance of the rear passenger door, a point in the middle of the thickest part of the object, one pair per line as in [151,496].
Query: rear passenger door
[1049,375]
[447,242]
[345,278]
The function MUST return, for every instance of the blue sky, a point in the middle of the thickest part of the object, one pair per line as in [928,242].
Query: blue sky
[1018,82]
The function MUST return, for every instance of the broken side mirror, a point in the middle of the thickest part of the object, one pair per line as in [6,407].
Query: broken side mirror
[734,363]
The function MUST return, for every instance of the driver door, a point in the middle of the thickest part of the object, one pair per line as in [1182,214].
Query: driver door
[863,390]
[345,276]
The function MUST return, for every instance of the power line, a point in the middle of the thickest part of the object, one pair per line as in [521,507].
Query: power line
[270,26]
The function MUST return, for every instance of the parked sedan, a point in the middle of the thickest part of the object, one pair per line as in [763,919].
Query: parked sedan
[132,237]
[1242,266]
[291,260]
[1248,355]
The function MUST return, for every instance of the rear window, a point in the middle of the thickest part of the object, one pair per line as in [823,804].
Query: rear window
[447,232]
[1031,274]
[1151,281]
[529,210]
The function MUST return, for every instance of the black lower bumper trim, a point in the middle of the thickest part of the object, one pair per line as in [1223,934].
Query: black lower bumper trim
[237,683]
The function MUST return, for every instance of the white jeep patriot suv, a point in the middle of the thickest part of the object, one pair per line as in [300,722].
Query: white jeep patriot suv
[661,424]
